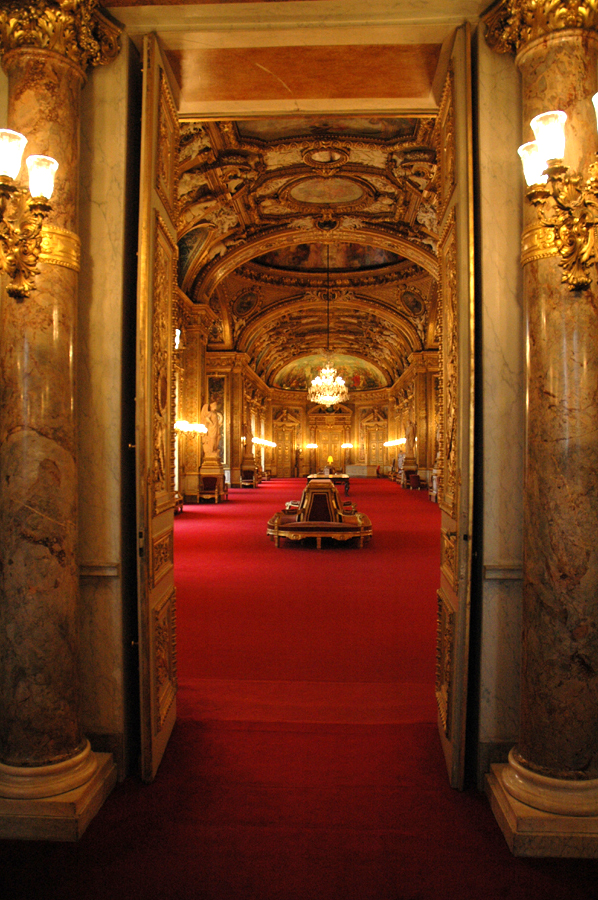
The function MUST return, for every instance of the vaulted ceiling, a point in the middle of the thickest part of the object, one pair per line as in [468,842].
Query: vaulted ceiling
[308,142]
[312,234]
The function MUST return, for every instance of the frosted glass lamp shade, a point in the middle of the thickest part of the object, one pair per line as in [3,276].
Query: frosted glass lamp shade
[12,145]
[41,175]
[549,131]
[533,163]
[595,102]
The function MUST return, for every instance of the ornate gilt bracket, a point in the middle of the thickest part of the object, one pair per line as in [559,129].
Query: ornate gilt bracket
[21,219]
[568,210]
[75,29]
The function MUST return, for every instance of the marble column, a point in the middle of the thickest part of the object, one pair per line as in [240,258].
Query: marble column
[546,798]
[42,751]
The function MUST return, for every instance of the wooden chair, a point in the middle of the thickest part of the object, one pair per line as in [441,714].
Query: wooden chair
[211,487]
[248,478]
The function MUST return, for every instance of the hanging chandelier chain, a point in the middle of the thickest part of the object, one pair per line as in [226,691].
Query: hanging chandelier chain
[328,388]
[327,299]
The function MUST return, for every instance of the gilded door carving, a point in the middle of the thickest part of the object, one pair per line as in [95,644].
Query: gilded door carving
[155,409]
[456,322]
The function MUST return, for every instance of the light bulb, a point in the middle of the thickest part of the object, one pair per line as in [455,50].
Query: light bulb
[41,175]
[12,145]
[549,131]
[533,163]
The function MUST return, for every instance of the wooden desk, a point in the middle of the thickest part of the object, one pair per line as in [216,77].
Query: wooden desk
[337,479]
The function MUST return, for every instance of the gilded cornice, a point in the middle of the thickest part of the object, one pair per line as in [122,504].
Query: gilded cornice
[512,24]
[75,29]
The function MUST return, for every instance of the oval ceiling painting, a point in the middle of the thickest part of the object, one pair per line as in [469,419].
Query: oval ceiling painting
[326,191]
[343,257]
[358,374]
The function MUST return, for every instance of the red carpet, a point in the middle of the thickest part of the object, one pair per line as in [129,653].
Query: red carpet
[306,763]
[249,611]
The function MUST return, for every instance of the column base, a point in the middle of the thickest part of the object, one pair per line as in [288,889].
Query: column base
[63,817]
[534,833]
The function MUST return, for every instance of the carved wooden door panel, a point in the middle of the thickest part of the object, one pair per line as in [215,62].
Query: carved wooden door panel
[375,445]
[154,432]
[455,251]
[329,442]
[284,451]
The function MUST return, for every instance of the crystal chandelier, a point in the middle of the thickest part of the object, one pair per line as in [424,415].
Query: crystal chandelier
[328,388]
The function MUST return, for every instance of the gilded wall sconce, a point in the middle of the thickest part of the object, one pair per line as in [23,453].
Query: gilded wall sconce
[566,204]
[22,212]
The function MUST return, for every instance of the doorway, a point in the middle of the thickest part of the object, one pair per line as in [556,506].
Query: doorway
[454,290]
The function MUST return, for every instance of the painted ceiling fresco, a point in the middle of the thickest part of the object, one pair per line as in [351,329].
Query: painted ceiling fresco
[314,257]
[292,226]
[358,374]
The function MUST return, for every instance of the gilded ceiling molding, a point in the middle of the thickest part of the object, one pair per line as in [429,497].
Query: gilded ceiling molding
[513,24]
[297,306]
[75,29]
[220,268]
[358,278]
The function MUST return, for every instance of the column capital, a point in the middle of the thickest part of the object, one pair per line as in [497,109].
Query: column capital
[513,24]
[74,29]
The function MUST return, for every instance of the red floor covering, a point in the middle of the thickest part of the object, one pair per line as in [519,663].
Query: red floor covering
[305,762]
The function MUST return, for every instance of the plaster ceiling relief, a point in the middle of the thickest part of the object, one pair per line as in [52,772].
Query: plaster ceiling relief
[268,207]
[326,192]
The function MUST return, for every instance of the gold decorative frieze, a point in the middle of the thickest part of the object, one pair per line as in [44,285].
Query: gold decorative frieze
[168,149]
[165,257]
[445,644]
[448,369]
[445,145]
[164,658]
[75,29]
[162,556]
[513,24]
[61,248]
[448,558]
[537,242]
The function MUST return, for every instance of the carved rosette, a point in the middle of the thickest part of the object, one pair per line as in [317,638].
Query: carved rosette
[75,29]
[512,24]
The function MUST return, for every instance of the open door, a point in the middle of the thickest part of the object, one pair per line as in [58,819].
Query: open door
[154,416]
[455,251]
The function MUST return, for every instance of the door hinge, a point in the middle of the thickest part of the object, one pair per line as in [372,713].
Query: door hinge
[141,543]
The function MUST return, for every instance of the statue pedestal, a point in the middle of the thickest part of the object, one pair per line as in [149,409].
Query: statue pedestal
[249,470]
[212,478]
[409,468]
